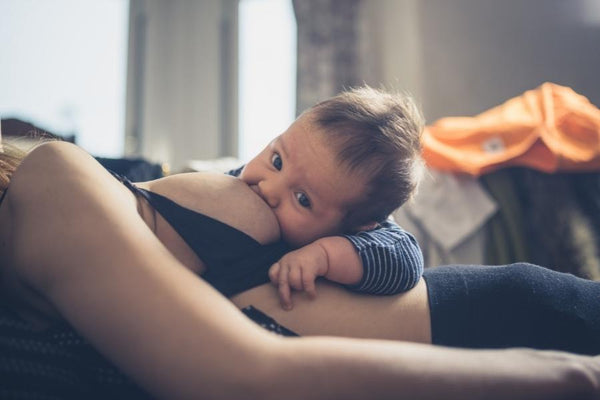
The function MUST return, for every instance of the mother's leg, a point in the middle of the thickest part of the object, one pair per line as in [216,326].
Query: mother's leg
[339,312]
[519,305]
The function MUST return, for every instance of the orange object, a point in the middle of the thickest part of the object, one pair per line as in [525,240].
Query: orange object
[550,128]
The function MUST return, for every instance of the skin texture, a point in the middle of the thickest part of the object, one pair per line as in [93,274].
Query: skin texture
[73,238]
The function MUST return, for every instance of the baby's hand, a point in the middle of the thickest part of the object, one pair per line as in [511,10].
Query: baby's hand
[299,269]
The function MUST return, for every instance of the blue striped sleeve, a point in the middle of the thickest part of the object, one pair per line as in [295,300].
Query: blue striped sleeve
[392,260]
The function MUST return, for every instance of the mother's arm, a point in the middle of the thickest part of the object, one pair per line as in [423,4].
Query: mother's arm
[77,239]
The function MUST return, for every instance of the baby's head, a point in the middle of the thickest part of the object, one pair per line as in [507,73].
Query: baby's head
[342,166]
[377,135]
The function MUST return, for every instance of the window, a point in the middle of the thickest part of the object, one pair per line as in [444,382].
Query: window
[64,68]
[267,72]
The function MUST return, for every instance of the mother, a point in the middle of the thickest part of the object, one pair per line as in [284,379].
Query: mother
[77,245]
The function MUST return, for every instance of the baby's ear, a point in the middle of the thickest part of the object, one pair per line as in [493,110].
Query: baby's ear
[366,227]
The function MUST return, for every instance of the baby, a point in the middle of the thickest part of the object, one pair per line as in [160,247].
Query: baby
[332,179]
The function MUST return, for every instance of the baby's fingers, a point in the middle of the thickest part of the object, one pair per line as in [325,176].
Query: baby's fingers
[274,273]
[308,281]
[285,295]
[295,280]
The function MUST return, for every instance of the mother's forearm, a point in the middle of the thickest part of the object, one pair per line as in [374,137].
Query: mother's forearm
[359,369]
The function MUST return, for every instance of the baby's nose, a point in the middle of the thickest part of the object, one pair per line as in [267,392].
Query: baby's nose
[269,193]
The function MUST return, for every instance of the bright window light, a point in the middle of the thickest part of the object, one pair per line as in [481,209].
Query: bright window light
[64,68]
[267,72]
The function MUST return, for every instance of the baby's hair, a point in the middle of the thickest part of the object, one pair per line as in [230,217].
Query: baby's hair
[378,135]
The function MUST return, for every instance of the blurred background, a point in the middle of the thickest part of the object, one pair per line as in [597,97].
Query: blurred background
[152,86]
[180,80]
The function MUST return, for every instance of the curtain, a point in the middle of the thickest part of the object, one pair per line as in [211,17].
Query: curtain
[328,48]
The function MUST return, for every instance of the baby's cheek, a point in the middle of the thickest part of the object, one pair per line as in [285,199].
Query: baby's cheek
[292,231]
[303,232]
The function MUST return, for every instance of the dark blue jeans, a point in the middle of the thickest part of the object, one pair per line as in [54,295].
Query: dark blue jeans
[517,305]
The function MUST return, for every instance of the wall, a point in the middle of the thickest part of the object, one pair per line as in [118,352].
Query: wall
[460,57]
[181,80]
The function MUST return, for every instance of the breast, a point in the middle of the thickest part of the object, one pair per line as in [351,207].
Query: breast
[224,198]
[168,236]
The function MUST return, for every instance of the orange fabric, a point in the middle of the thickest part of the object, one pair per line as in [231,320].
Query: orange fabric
[550,128]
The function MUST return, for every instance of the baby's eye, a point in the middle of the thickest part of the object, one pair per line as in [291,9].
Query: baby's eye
[276,161]
[303,200]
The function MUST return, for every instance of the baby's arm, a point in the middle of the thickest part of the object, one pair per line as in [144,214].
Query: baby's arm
[391,258]
[386,260]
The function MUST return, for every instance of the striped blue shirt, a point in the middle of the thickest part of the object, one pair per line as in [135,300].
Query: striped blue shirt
[391,257]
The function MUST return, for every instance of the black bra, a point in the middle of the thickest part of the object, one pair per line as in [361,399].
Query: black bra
[235,261]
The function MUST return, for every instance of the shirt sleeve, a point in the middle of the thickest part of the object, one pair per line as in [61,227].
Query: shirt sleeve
[391,257]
